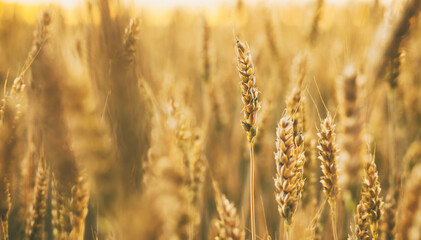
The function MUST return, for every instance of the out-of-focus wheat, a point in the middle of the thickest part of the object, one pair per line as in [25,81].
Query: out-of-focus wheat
[228,222]
[38,210]
[410,203]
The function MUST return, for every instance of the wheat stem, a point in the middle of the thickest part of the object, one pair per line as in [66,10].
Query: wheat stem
[334,224]
[252,217]
[286,232]
[5,228]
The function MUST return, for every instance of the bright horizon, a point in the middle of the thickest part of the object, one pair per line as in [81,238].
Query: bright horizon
[175,3]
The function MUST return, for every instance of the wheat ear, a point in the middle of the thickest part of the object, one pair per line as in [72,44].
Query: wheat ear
[79,204]
[371,196]
[351,128]
[228,225]
[289,159]
[328,157]
[35,228]
[361,222]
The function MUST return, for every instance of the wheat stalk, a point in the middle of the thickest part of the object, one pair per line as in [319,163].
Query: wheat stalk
[249,94]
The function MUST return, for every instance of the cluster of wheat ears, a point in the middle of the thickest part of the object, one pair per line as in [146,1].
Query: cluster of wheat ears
[127,128]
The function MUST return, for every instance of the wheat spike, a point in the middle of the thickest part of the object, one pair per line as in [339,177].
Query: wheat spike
[362,222]
[228,223]
[370,196]
[351,132]
[316,20]
[197,168]
[128,113]
[55,209]
[249,92]
[328,158]
[129,40]
[394,68]
[289,158]
[40,34]
[35,228]
[79,205]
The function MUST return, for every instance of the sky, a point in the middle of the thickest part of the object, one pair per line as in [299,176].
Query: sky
[172,3]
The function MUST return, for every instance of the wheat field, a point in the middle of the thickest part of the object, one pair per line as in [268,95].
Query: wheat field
[266,120]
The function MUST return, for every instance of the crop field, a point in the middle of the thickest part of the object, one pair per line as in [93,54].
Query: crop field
[264,120]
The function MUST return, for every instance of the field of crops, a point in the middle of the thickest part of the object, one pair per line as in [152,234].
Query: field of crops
[242,121]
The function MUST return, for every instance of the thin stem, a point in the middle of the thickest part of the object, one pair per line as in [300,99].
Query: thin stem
[392,143]
[333,215]
[252,217]
[4,225]
[191,227]
[286,231]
